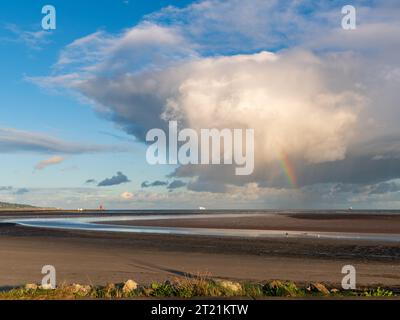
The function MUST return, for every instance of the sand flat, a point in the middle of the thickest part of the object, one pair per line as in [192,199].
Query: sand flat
[102,257]
[389,224]
[98,258]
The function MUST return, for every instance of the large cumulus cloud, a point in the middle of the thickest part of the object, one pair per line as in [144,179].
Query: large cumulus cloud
[331,107]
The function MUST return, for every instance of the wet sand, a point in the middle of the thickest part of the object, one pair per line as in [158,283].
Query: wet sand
[98,258]
[389,224]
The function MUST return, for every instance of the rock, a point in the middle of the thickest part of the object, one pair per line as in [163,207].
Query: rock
[318,287]
[46,286]
[232,286]
[31,286]
[129,286]
[79,289]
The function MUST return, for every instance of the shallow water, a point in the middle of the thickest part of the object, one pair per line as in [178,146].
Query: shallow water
[89,224]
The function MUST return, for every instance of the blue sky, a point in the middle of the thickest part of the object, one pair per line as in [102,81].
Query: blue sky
[29,108]
[77,99]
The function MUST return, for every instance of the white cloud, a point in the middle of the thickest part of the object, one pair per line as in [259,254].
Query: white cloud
[127,195]
[15,141]
[49,162]
[285,98]
[33,39]
[321,101]
[238,197]
[142,47]
[289,98]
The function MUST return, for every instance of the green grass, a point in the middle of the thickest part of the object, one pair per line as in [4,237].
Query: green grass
[378,292]
[194,287]
[12,206]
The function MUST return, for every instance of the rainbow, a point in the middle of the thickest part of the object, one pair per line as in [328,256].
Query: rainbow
[288,169]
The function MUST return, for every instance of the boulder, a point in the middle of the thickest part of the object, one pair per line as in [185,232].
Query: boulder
[232,286]
[46,286]
[129,286]
[31,286]
[79,289]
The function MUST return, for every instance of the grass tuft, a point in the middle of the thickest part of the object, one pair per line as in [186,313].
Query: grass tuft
[191,287]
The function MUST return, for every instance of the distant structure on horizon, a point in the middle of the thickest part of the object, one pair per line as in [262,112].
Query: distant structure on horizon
[202,208]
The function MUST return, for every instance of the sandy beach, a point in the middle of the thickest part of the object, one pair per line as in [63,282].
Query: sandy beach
[99,258]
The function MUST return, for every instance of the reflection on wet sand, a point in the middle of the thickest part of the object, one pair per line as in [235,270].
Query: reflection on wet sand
[104,224]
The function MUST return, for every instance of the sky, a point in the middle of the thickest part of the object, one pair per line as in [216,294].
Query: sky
[77,102]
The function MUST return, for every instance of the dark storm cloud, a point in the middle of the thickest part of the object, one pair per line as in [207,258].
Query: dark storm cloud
[136,107]
[378,188]
[90,181]
[115,180]
[176,184]
[156,183]
[210,178]
[345,188]
[201,185]
[384,187]
[353,170]
[349,175]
